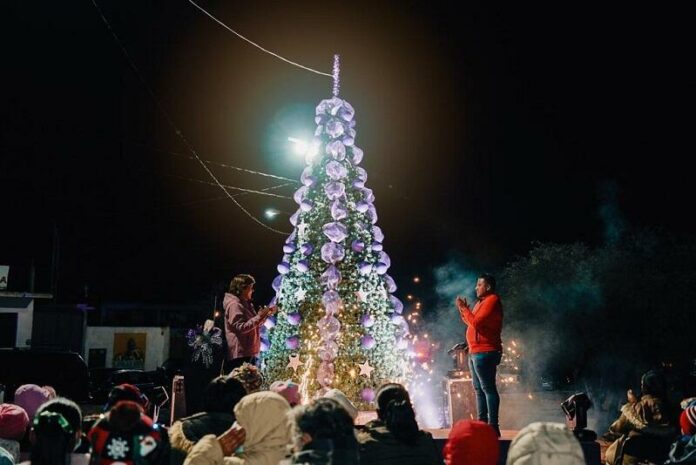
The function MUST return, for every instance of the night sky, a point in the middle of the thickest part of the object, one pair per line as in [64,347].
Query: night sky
[484,130]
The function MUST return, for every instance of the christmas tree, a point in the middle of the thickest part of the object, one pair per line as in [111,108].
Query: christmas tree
[339,324]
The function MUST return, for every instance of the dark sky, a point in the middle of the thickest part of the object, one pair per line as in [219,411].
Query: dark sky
[484,129]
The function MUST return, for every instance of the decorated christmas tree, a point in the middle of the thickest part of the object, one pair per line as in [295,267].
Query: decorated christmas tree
[339,324]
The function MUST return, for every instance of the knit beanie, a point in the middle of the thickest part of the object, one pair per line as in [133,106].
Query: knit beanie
[249,376]
[287,389]
[30,397]
[341,398]
[544,443]
[474,442]
[13,421]
[687,421]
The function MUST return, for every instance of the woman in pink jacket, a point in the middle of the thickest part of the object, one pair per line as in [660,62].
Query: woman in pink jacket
[243,323]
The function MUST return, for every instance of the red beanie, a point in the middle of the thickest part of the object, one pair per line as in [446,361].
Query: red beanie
[687,421]
[13,422]
[472,442]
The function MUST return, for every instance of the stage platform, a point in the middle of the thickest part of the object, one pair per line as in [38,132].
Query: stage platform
[593,450]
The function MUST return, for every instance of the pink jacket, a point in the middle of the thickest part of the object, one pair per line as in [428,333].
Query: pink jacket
[241,328]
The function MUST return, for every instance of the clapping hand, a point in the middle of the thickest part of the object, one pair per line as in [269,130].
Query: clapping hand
[462,304]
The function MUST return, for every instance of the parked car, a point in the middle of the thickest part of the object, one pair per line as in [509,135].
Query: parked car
[66,371]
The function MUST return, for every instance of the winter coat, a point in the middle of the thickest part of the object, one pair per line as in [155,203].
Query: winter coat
[379,446]
[647,416]
[484,325]
[242,325]
[184,434]
[322,453]
[683,452]
[263,415]
[543,443]
[75,459]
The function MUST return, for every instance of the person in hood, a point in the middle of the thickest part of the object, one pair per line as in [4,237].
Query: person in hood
[394,438]
[644,415]
[474,442]
[544,443]
[13,426]
[260,436]
[220,398]
[323,434]
[484,326]
[243,323]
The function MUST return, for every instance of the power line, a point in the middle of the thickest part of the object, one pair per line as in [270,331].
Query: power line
[257,45]
[217,163]
[241,189]
[176,129]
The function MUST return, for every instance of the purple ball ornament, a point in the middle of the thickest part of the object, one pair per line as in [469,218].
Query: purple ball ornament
[335,231]
[364,268]
[325,373]
[292,342]
[389,282]
[336,150]
[402,344]
[396,304]
[306,249]
[357,246]
[295,217]
[335,170]
[331,277]
[304,177]
[292,236]
[381,268]
[367,194]
[384,258]
[289,247]
[378,234]
[329,351]
[306,205]
[302,266]
[367,320]
[361,173]
[331,301]
[329,106]
[264,346]
[338,210]
[371,213]
[362,206]
[332,252]
[270,322]
[335,128]
[283,268]
[328,327]
[358,184]
[334,190]
[367,395]
[367,342]
[348,139]
[346,111]
[357,155]
[277,282]
[397,320]
[294,318]
[299,194]
[377,246]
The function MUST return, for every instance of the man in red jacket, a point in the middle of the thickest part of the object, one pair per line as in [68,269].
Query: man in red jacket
[484,325]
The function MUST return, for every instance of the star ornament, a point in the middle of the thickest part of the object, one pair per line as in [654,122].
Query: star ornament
[362,295]
[300,294]
[366,369]
[294,362]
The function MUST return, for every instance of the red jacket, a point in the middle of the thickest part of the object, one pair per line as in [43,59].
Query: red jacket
[485,323]
[242,325]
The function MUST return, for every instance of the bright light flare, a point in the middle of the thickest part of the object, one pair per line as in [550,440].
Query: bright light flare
[299,146]
[271,213]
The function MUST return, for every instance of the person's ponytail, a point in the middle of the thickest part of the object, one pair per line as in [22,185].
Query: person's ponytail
[400,420]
